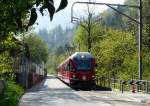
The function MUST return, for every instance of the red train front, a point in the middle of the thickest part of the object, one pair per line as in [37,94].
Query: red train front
[78,70]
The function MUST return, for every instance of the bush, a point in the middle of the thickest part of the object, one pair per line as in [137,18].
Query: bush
[12,95]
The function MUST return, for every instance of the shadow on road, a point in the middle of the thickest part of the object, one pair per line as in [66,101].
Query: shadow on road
[47,94]
[96,88]
[41,85]
[99,88]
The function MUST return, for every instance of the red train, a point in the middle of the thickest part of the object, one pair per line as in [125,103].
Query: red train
[78,70]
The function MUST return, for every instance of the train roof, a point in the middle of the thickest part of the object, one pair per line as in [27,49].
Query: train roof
[87,55]
[78,55]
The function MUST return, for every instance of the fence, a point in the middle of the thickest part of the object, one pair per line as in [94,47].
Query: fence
[29,74]
[124,85]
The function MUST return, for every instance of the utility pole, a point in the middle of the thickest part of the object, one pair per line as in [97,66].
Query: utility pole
[140,39]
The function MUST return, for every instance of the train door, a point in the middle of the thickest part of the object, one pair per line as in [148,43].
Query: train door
[67,72]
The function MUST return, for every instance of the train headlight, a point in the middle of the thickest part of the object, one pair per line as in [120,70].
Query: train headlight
[74,76]
[82,56]
[84,77]
[93,77]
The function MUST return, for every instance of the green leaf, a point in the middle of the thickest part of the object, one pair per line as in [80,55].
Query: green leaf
[44,6]
[41,11]
[33,17]
[38,2]
[62,5]
[51,8]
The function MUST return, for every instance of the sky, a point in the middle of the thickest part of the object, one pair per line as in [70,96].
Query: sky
[63,17]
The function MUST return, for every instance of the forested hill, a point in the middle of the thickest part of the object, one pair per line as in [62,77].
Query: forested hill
[57,37]
[113,19]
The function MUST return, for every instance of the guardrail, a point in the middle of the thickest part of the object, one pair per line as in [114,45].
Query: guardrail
[124,85]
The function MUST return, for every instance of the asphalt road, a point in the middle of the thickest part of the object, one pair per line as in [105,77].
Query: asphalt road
[52,92]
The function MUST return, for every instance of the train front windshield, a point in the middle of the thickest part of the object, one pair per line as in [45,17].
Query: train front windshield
[83,65]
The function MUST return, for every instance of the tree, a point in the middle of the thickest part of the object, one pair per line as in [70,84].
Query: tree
[80,38]
[146,16]
[37,48]
[128,25]
[88,23]
[113,52]
[18,15]
[6,65]
[113,49]
[113,19]
[7,54]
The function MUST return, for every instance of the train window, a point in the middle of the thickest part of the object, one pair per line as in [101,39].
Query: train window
[83,65]
[71,68]
[67,67]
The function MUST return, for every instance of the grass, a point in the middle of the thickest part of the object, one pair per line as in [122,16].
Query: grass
[11,95]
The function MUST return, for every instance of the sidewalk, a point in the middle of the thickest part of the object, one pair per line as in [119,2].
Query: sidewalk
[138,96]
